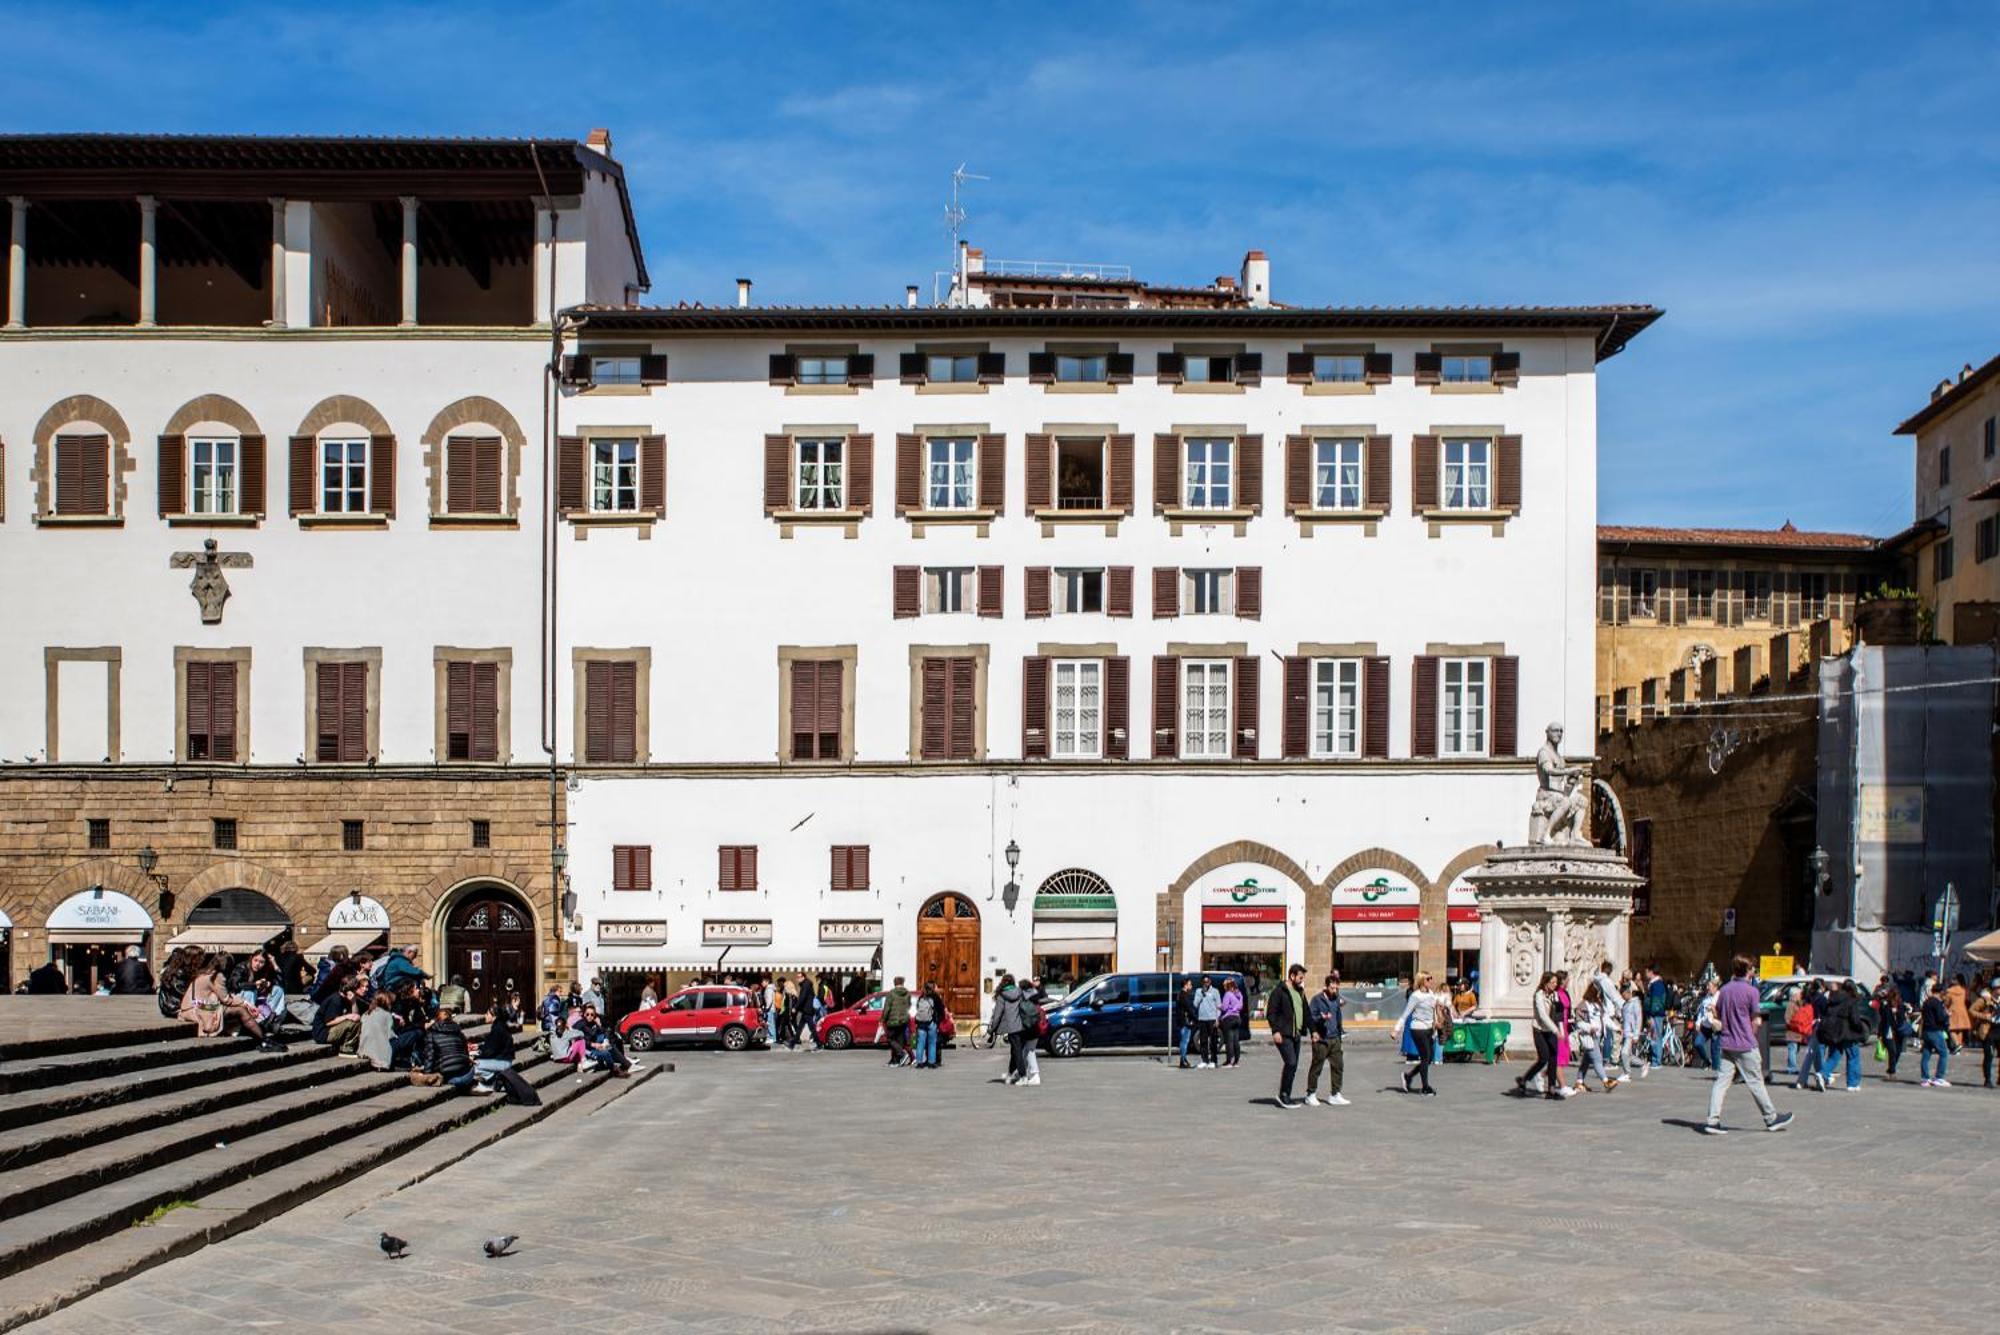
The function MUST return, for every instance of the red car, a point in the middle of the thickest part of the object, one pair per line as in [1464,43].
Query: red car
[862,1023]
[725,1015]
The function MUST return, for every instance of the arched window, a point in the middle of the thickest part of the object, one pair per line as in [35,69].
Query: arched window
[474,463]
[1074,881]
[342,467]
[214,469]
[82,456]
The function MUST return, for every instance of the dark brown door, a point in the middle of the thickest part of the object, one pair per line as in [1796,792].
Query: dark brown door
[948,951]
[490,943]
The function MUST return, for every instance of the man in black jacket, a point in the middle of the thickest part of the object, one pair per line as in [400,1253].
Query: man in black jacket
[446,1055]
[1286,1013]
[135,977]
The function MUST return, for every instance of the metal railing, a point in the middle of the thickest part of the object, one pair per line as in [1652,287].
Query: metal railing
[1103,273]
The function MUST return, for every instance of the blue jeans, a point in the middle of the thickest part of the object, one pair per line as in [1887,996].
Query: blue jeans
[1187,1036]
[1830,1062]
[603,1055]
[1814,1058]
[1791,1056]
[927,1044]
[1939,1042]
[1656,1035]
[485,1068]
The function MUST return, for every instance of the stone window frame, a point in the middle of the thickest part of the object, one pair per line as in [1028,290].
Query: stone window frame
[640,518]
[442,656]
[846,654]
[185,654]
[335,411]
[981,655]
[1233,351]
[1236,516]
[952,348]
[642,694]
[88,410]
[844,387]
[1461,348]
[216,410]
[314,656]
[52,659]
[474,410]
[1324,388]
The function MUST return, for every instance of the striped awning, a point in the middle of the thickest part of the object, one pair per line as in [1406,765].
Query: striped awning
[228,935]
[354,938]
[87,936]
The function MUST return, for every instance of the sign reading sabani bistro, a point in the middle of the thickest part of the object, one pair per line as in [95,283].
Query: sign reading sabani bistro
[735,932]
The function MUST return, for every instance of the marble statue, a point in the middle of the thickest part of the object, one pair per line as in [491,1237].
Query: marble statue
[1560,801]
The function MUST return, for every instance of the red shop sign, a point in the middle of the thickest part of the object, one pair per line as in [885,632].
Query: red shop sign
[1376,913]
[1243,913]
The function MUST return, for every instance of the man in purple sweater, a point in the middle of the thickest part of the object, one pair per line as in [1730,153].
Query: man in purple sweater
[1736,1006]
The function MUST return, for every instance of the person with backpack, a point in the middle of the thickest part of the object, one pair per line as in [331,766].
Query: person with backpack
[1843,1028]
[1232,1024]
[1006,1022]
[1037,1026]
[896,1023]
[924,1012]
[1286,1014]
[1739,1055]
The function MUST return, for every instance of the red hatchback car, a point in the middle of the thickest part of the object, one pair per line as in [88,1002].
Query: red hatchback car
[725,1015]
[862,1023]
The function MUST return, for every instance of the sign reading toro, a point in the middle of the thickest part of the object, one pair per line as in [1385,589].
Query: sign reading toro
[850,932]
[736,932]
[631,933]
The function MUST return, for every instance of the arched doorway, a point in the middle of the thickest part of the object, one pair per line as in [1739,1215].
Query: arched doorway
[948,951]
[236,920]
[489,941]
[1076,929]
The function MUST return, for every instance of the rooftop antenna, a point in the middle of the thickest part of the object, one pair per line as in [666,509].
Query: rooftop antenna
[954,221]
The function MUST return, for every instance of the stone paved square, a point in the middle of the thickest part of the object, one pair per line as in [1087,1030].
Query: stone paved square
[796,1191]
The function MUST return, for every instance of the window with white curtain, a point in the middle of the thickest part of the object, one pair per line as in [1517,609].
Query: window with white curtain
[1336,707]
[950,473]
[1205,707]
[1079,712]
[1462,727]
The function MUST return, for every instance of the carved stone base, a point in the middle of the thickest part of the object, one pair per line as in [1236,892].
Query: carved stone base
[1548,907]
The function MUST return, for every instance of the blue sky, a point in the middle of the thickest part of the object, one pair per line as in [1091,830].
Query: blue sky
[1810,190]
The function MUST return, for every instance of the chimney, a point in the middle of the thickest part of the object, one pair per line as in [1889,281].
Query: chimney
[1965,373]
[910,296]
[1257,278]
[742,292]
[599,141]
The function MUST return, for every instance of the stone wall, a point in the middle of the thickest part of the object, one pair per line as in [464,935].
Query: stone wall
[417,855]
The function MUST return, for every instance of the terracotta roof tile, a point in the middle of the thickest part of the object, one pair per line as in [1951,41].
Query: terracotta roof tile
[1787,537]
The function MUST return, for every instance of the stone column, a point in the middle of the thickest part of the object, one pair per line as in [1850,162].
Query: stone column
[277,320]
[149,267]
[17,265]
[545,260]
[409,261]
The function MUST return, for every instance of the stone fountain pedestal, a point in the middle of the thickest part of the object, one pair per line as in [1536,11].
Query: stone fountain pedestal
[1549,906]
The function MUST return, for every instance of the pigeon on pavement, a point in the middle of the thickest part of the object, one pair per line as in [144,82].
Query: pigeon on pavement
[499,1246]
[393,1247]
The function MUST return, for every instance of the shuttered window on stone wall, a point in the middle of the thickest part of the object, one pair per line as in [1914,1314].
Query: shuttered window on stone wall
[1035,707]
[1375,708]
[736,867]
[211,711]
[631,866]
[1424,706]
[1166,706]
[472,711]
[1248,702]
[83,475]
[472,467]
[816,709]
[1506,705]
[610,712]
[850,867]
[341,712]
[947,708]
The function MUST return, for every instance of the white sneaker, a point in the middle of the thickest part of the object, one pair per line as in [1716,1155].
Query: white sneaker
[586,1066]
[1940,1083]
[1312,1100]
[1032,1080]
[1924,1084]
[1336,1100]
[1208,1066]
[1568,1091]
[1011,1077]
[1645,1069]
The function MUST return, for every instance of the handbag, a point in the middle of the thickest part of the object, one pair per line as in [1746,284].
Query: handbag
[1881,1051]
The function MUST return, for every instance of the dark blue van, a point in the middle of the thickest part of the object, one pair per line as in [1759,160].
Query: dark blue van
[1122,1010]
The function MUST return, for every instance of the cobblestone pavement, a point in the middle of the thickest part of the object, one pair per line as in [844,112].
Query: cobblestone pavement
[796,1191]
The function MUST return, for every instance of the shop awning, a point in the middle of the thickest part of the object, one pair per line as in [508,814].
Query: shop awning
[825,959]
[354,938]
[92,936]
[1379,935]
[1243,931]
[628,959]
[1986,949]
[1465,936]
[1081,937]
[229,935]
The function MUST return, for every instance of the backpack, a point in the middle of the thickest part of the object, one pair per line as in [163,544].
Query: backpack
[1032,1021]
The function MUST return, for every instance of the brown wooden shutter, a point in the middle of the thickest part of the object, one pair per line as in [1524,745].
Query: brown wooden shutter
[933,726]
[1117,708]
[1166,591]
[653,368]
[1041,368]
[805,709]
[222,711]
[570,474]
[1378,467]
[82,475]
[1375,707]
[596,711]
[1250,592]
[653,474]
[302,482]
[485,711]
[460,469]
[992,591]
[838,875]
[857,867]
[1298,708]
[1424,465]
[993,473]
[1118,591]
[621,867]
[1298,473]
[382,475]
[1250,368]
[725,865]
[1166,706]
[1247,701]
[173,475]
[1299,367]
[624,711]
[1377,368]
[829,711]
[1507,473]
[1430,368]
[250,475]
[1037,471]
[1424,706]
[458,711]
[489,463]
[200,731]
[642,866]
[354,712]
[1172,368]
[777,474]
[1118,493]
[906,591]
[1034,708]
[326,695]
[861,473]
[1035,591]
[909,472]
[913,367]
[963,676]
[1118,368]
[1506,705]
[992,367]
[1166,472]
[1506,368]
[861,370]
[784,368]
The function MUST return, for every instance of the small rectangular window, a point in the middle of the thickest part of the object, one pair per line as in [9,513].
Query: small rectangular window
[1076,701]
[951,368]
[482,834]
[1205,707]
[950,474]
[1462,728]
[98,832]
[225,832]
[1645,590]
[947,588]
[1941,561]
[343,477]
[1207,592]
[1210,475]
[1813,595]
[822,370]
[1987,539]
[1701,594]
[738,867]
[1082,590]
[631,866]
[1337,473]
[1944,465]
[1080,473]
[614,370]
[822,473]
[212,476]
[1988,447]
[1465,369]
[614,474]
[850,867]
[1468,473]
[1339,368]
[350,836]
[1336,707]
[1205,370]
[1082,368]
[1756,595]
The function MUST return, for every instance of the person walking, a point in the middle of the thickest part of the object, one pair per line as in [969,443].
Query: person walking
[1635,1053]
[1327,1022]
[1892,1021]
[924,1011]
[1033,1001]
[1232,1023]
[1936,1036]
[1420,1017]
[1546,1066]
[1286,1014]
[1985,1009]
[1207,1015]
[896,1023]
[1799,1021]
[1739,1054]
[1005,1022]
[1851,1016]
[1184,1019]
[1592,1033]
[1957,997]
[1656,1012]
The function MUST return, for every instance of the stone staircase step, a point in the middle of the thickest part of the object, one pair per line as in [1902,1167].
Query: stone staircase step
[83,1095]
[44,1072]
[226,1210]
[153,1030]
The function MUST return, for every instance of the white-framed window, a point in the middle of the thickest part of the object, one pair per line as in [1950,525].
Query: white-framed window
[1210,473]
[1337,473]
[1078,711]
[1645,590]
[343,476]
[1203,369]
[951,368]
[947,588]
[1462,708]
[822,473]
[1208,592]
[620,370]
[1080,590]
[949,469]
[1205,707]
[614,473]
[1468,473]
[1336,707]
[822,369]
[1082,367]
[1339,368]
[1468,368]
[212,486]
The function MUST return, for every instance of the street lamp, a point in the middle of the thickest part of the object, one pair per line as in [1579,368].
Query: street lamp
[149,859]
[1010,894]
[559,860]
[1816,872]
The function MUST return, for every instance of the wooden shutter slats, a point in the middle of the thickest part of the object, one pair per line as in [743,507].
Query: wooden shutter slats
[1250,473]
[992,367]
[382,475]
[1118,591]
[1038,466]
[933,728]
[860,473]
[828,711]
[777,473]
[569,474]
[1166,592]
[1250,592]
[963,678]
[909,472]
[1297,738]
[857,867]
[596,711]
[1166,706]
[1248,733]
[1430,368]
[1035,591]
[1506,368]
[993,472]
[172,464]
[1118,368]
[1041,368]
[805,709]
[1377,368]
[83,466]
[992,590]
[222,711]
[624,712]
[353,712]
[906,591]
[485,711]
[1250,368]
[1299,367]
[458,711]
[1298,473]
[1166,472]
[1424,468]
[199,729]
[913,367]
[326,709]
[1117,708]
[1507,473]
[1171,368]
[250,475]
[621,867]
[1375,708]
[1424,706]
[653,474]
[1035,708]
[861,369]
[1506,705]
[1119,487]
[302,481]
[489,461]
[1378,463]
[460,469]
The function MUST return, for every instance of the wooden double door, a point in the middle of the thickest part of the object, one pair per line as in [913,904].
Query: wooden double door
[490,943]
[948,951]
